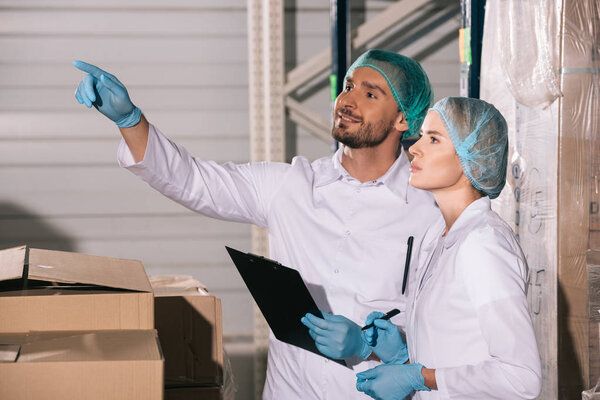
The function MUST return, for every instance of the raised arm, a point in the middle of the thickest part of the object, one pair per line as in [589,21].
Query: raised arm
[232,192]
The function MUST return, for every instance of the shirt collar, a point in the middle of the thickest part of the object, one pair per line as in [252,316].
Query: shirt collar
[396,177]
[465,219]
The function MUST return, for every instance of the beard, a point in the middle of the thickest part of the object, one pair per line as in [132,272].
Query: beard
[367,135]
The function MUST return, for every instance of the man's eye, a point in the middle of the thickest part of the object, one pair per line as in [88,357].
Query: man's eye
[348,88]
[371,95]
[434,140]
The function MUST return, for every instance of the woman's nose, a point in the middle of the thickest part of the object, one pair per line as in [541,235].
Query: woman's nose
[415,149]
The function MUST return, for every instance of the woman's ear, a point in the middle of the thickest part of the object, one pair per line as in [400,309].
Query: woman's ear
[401,124]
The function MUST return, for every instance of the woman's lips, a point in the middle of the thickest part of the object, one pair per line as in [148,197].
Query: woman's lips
[414,168]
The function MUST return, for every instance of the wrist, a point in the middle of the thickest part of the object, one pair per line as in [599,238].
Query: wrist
[429,378]
[400,357]
[365,351]
[131,119]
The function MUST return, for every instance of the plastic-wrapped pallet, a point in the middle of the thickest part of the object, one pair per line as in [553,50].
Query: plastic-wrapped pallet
[532,52]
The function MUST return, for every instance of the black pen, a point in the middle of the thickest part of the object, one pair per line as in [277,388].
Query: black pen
[388,315]
[407,264]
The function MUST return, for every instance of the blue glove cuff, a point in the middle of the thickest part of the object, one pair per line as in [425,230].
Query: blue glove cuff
[130,119]
[420,385]
[365,352]
[399,358]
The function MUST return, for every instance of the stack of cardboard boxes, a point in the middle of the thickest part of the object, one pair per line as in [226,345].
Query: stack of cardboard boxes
[76,326]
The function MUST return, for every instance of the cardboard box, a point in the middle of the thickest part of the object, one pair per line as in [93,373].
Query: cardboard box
[43,290]
[194,393]
[190,332]
[116,365]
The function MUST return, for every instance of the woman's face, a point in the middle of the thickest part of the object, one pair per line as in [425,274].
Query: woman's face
[435,165]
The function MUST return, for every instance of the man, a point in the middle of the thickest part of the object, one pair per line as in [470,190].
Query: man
[342,221]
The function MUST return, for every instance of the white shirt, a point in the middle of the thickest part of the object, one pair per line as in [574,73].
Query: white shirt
[347,239]
[468,318]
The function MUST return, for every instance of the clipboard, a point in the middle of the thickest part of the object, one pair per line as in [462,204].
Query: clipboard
[281,296]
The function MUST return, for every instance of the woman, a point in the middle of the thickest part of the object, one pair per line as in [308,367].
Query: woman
[469,332]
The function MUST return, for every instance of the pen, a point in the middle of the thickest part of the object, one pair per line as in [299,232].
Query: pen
[407,264]
[388,315]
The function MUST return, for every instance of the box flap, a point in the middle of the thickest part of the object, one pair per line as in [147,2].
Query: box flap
[64,267]
[177,285]
[12,262]
[120,345]
[9,352]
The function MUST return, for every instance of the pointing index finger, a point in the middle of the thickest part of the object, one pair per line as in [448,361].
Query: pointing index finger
[89,68]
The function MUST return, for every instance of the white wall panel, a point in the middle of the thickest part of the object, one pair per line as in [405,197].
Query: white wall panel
[176,225]
[80,123]
[134,75]
[172,99]
[225,5]
[164,23]
[102,152]
[103,48]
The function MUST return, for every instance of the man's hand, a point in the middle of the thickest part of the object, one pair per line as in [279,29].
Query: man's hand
[104,91]
[336,336]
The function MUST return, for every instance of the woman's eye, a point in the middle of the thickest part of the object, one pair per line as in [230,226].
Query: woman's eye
[434,140]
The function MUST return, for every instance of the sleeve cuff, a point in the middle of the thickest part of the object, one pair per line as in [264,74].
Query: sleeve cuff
[124,156]
[440,380]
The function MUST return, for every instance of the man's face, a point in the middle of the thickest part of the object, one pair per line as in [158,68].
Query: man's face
[365,112]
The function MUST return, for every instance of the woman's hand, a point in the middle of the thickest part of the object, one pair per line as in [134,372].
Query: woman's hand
[385,339]
[391,381]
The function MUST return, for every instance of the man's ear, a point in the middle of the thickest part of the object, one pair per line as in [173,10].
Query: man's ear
[401,124]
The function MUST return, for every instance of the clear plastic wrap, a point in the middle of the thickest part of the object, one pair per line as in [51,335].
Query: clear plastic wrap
[528,44]
[592,394]
[551,197]
[528,201]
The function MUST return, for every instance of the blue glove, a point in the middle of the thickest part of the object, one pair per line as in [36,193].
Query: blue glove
[391,381]
[107,95]
[336,336]
[385,340]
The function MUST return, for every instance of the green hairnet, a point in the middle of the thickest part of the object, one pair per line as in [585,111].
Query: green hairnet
[480,137]
[407,81]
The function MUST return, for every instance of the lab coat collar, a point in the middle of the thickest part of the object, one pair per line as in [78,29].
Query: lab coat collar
[396,177]
[464,220]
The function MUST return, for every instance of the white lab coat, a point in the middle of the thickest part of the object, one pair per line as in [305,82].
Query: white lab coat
[346,238]
[468,317]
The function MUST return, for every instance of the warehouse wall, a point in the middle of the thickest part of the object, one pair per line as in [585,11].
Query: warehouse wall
[185,65]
